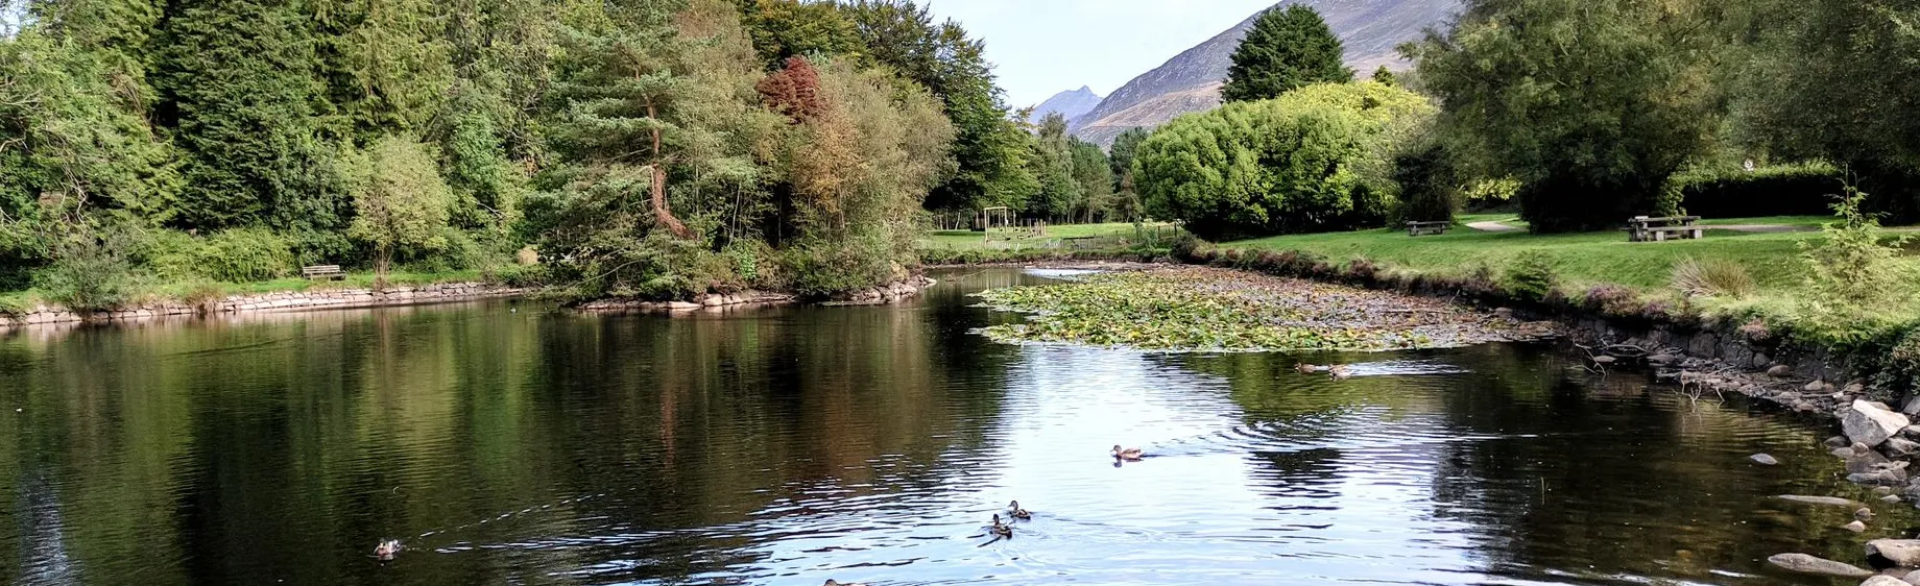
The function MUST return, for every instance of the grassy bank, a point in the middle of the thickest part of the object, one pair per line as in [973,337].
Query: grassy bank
[961,240]
[16,301]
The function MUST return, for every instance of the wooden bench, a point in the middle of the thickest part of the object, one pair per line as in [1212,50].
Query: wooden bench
[1645,229]
[1082,242]
[331,272]
[1425,228]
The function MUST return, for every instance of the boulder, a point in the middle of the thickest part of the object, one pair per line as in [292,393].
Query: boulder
[1867,423]
[1883,491]
[1859,462]
[1864,514]
[1884,581]
[1891,499]
[1801,563]
[1780,371]
[1900,447]
[1856,527]
[1912,406]
[1840,441]
[1878,478]
[1894,553]
[1764,460]
[1913,577]
[1818,386]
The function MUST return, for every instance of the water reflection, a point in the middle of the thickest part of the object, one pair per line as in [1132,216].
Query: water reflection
[786,446]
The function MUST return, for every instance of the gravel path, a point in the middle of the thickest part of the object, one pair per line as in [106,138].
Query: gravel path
[1492,227]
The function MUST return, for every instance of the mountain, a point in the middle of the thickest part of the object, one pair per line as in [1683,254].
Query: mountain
[1191,81]
[1071,104]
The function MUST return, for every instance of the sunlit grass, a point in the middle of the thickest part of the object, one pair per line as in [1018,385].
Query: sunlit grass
[970,240]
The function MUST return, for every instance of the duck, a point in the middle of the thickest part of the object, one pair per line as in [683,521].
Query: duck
[1018,513]
[1339,373]
[1305,368]
[387,549]
[1128,454]
[1001,529]
[832,582]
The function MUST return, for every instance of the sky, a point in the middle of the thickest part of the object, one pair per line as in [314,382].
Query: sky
[1043,47]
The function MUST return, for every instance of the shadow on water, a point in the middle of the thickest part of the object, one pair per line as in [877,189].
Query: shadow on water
[790,445]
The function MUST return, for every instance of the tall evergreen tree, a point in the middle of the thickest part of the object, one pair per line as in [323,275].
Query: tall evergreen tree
[1094,173]
[1287,48]
[240,86]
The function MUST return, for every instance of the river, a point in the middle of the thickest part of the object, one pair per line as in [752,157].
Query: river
[511,443]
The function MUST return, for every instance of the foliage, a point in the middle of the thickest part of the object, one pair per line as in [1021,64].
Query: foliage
[1712,278]
[1531,276]
[90,271]
[1051,162]
[1851,269]
[1287,49]
[401,204]
[1384,76]
[1205,309]
[1778,190]
[1835,80]
[783,29]
[1604,126]
[1427,184]
[1294,164]
[1094,174]
[240,255]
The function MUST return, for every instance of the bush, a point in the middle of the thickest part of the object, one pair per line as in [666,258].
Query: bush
[90,274]
[232,256]
[1531,277]
[1712,278]
[1424,176]
[818,268]
[1782,190]
[1851,268]
[1305,162]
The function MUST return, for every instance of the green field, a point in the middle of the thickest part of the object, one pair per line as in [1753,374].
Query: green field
[970,240]
[1581,259]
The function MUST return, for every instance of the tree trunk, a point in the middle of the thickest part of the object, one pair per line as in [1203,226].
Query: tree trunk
[661,213]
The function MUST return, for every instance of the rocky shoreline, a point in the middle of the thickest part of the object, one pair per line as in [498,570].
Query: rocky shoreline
[320,299]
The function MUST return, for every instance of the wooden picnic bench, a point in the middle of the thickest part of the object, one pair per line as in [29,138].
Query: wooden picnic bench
[1082,242]
[332,272]
[1645,229]
[1415,229]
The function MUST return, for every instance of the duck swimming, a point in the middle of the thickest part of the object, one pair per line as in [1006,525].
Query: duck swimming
[1000,529]
[1339,373]
[387,550]
[1018,513]
[1128,454]
[831,582]
[1304,368]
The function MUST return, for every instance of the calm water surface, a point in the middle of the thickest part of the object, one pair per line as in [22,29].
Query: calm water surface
[510,444]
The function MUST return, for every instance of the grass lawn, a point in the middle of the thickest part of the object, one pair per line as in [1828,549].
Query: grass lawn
[1581,259]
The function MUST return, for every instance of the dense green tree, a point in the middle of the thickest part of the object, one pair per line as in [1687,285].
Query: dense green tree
[1127,202]
[789,28]
[386,62]
[1835,79]
[990,149]
[240,84]
[401,205]
[1051,162]
[1592,134]
[1094,173]
[1384,76]
[1299,163]
[1288,48]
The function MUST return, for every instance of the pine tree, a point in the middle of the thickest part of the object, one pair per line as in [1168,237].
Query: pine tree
[1384,76]
[1287,48]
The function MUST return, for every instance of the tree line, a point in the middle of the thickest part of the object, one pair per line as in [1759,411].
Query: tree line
[627,147]
[1583,112]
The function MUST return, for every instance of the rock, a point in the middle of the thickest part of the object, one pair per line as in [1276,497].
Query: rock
[1854,389]
[1867,423]
[1664,359]
[1818,386]
[1856,527]
[1884,490]
[1900,447]
[1764,460]
[1912,431]
[1864,514]
[1603,360]
[1884,581]
[1805,564]
[1913,577]
[1890,499]
[1894,553]
[1861,462]
[1818,500]
[1840,441]
[1780,371]
[1842,453]
[1912,406]
[1877,478]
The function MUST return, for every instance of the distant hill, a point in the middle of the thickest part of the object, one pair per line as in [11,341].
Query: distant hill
[1190,82]
[1071,104]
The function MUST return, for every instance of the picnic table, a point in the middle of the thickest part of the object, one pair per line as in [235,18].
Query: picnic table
[1415,229]
[1645,229]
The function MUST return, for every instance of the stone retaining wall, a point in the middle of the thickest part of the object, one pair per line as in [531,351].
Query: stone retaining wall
[318,299]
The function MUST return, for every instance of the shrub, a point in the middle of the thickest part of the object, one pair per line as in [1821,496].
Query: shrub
[243,255]
[90,274]
[1299,163]
[1712,278]
[1851,268]
[819,268]
[1613,300]
[1781,190]
[1531,276]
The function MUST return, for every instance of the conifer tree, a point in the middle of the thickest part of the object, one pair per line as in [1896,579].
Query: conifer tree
[1287,48]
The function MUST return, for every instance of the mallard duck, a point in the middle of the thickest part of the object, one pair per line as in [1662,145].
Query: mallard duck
[1128,454]
[1339,373]
[831,582]
[387,549]
[1000,528]
[1018,513]
[1305,368]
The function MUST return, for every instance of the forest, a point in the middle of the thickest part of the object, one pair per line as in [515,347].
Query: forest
[651,148]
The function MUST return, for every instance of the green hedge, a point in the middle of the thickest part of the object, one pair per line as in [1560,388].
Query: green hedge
[1782,190]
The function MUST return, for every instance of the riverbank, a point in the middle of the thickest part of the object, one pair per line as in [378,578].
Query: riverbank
[308,300]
